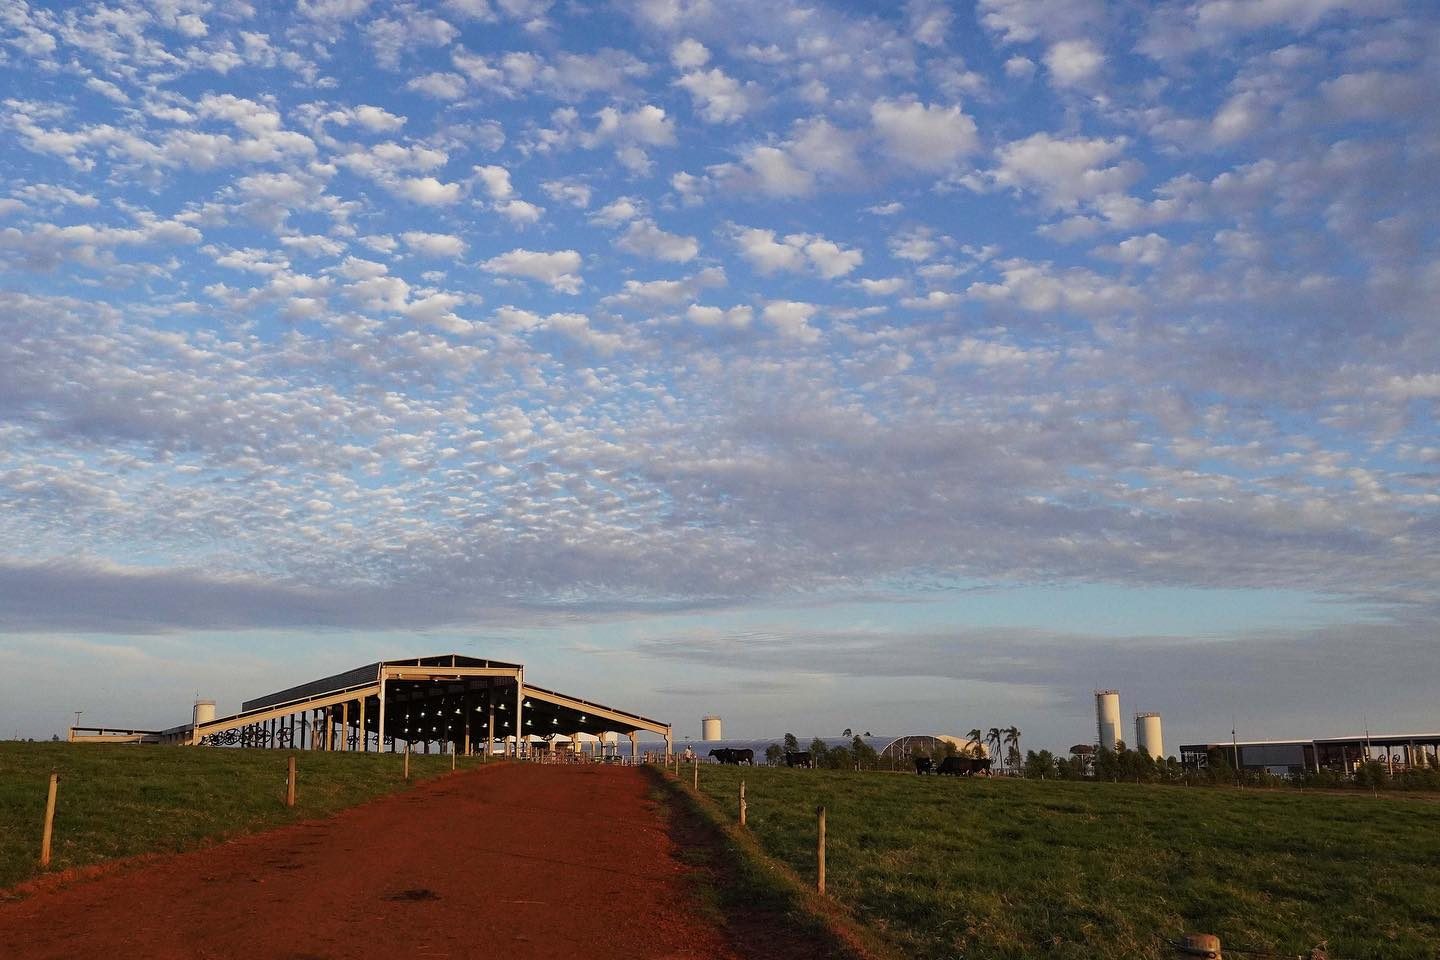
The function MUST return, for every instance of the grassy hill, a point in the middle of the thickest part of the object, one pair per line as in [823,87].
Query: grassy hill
[946,868]
[118,801]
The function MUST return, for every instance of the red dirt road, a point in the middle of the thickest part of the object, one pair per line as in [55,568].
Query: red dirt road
[513,861]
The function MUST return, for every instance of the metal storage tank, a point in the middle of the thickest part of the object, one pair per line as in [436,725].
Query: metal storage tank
[204,712]
[710,729]
[1107,718]
[1148,735]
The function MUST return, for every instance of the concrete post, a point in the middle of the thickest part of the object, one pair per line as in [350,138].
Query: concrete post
[345,726]
[519,714]
[380,721]
[465,712]
[634,744]
[364,734]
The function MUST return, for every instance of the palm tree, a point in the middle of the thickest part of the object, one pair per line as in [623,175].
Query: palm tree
[1012,744]
[994,737]
[972,739]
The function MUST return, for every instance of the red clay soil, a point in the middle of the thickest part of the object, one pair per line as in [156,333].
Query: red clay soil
[514,861]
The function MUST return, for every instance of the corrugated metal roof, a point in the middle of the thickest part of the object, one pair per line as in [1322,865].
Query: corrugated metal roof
[360,675]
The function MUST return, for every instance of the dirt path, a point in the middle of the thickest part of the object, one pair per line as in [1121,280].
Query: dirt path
[514,861]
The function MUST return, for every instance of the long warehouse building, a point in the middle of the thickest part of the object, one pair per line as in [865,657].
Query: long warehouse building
[460,703]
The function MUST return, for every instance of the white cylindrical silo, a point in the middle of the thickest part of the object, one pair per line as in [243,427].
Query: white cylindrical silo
[204,712]
[1107,718]
[710,729]
[1148,736]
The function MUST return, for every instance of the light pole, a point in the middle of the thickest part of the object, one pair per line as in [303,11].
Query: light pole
[78,715]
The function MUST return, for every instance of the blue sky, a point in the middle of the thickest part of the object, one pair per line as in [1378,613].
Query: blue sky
[904,367]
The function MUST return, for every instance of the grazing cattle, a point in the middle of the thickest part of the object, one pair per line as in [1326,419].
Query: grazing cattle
[924,765]
[737,757]
[800,759]
[965,766]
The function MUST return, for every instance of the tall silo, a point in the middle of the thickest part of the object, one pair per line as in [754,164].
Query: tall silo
[710,729]
[1107,718]
[204,712]
[1148,735]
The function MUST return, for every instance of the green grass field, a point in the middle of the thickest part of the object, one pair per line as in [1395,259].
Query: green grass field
[946,868]
[118,801]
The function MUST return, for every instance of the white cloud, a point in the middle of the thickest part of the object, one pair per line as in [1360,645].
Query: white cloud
[428,191]
[434,244]
[441,86]
[795,253]
[520,212]
[1238,117]
[689,54]
[643,238]
[1074,63]
[617,211]
[1065,172]
[377,119]
[1019,68]
[559,269]
[719,98]
[735,318]
[791,319]
[496,180]
[574,193]
[926,137]
[883,287]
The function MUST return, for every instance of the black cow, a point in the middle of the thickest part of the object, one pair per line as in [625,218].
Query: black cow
[737,757]
[800,759]
[924,765]
[965,766]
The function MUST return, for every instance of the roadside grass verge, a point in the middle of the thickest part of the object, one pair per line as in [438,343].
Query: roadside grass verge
[943,868]
[121,801]
[739,884]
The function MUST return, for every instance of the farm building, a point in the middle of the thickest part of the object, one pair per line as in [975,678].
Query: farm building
[462,704]
[1343,754]
[898,750]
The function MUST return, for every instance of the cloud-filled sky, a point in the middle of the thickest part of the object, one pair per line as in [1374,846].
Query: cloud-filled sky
[904,367]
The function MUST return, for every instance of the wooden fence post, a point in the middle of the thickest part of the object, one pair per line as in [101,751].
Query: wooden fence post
[1200,945]
[696,783]
[742,803]
[49,819]
[290,782]
[820,850]
[407,762]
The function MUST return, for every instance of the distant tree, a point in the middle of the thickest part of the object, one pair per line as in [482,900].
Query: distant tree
[819,753]
[1012,746]
[838,758]
[863,755]
[973,738]
[54,738]
[774,754]
[993,739]
[1040,766]
[846,733]
[791,744]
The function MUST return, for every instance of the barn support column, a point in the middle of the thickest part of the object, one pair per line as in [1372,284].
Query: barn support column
[490,730]
[634,744]
[345,726]
[669,746]
[466,712]
[519,715]
[380,722]
[364,733]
